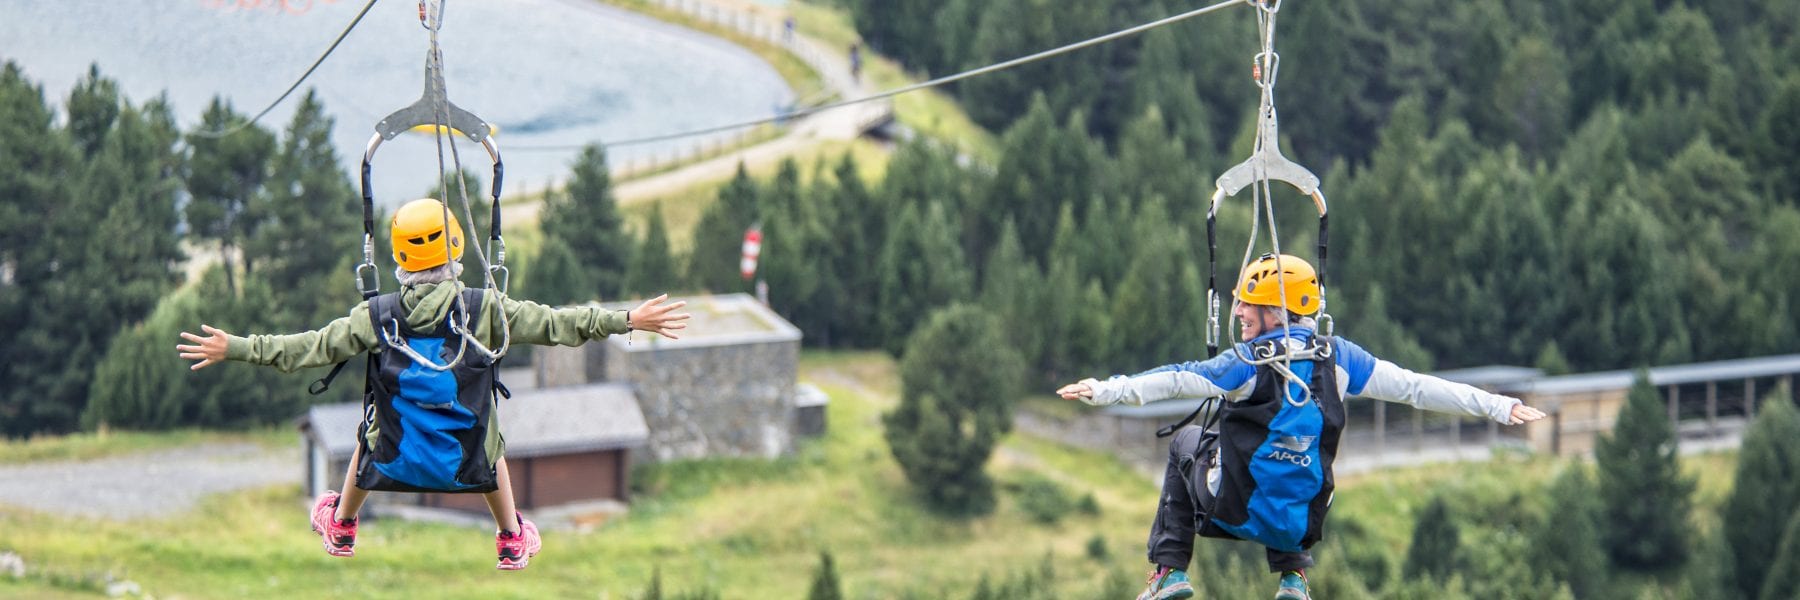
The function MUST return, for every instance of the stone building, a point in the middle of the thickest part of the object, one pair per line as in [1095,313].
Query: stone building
[727,387]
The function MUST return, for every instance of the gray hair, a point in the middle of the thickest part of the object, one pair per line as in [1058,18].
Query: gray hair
[1294,319]
[445,272]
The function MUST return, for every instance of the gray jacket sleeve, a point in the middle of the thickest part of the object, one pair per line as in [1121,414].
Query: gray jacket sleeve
[1391,383]
[1151,387]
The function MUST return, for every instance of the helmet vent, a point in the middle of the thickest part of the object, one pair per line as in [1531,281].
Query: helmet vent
[434,236]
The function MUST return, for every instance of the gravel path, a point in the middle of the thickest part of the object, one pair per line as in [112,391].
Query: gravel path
[152,484]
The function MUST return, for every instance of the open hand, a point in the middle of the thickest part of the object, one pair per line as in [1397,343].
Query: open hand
[655,317]
[1075,391]
[1524,414]
[211,349]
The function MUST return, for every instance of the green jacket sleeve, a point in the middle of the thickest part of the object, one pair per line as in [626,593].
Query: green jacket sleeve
[533,323]
[338,340]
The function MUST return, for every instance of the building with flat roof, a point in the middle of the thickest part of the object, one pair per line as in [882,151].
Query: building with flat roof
[727,387]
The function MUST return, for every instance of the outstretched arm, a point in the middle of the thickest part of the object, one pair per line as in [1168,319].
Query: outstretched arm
[338,340]
[1219,376]
[1391,383]
[533,323]
[1364,375]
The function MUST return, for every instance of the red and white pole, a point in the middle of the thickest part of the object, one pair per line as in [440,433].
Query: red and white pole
[752,251]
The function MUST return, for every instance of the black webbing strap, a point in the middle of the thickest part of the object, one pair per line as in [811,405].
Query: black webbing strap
[1211,419]
[324,383]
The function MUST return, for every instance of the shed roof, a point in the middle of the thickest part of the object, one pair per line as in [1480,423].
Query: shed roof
[537,422]
[1743,368]
[1491,375]
[719,320]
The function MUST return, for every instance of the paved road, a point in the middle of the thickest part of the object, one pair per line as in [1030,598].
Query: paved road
[832,64]
[154,484]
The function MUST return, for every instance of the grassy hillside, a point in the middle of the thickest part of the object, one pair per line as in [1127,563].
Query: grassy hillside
[740,528]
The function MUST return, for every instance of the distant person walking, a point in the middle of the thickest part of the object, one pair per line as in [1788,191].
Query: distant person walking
[787,31]
[856,62]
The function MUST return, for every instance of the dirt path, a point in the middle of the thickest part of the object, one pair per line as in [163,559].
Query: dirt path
[155,484]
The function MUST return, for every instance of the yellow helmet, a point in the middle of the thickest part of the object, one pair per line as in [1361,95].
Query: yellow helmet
[1261,286]
[417,235]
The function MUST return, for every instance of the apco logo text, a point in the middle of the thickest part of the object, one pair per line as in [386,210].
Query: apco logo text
[1291,458]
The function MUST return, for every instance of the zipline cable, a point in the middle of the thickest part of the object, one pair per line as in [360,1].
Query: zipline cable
[903,89]
[309,71]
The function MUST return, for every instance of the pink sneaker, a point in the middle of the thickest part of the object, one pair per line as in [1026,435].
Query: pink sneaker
[516,549]
[339,536]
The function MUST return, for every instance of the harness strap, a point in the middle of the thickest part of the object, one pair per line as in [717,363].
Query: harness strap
[1211,419]
[324,383]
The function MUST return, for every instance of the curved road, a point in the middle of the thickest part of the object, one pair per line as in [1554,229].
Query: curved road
[150,485]
[833,66]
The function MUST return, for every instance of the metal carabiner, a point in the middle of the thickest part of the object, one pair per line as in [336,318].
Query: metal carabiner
[420,359]
[470,339]
[432,20]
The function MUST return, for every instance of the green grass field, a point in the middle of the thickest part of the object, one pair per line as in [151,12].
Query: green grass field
[740,528]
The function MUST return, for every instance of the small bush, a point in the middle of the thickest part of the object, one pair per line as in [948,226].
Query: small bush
[1043,500]
[1096,548]
[1088,505]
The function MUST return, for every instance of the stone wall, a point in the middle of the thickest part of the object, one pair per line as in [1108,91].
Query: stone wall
[728,400]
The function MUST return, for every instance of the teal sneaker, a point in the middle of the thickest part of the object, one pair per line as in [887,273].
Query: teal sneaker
[1166,584]
[1293,586]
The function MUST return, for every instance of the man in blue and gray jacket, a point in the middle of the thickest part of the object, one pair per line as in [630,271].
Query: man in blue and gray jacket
[1265,474]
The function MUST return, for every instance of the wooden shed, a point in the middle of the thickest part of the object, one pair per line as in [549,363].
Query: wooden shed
[564,446]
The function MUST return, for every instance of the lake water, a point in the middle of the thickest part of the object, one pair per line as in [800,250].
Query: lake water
[547,72]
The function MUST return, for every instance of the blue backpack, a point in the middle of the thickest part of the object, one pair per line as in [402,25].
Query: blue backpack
[1275,452]
[429,429]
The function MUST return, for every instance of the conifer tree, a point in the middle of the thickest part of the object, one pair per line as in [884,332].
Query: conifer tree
[1765,490]
[97,244]
[556,278]
[825,584]
[958,379]
[719,236]
[653,269]
[1647,500]
[921,268]
[792,258]
[1011,290]
[585,218]
[1433,554]
[1784,572]
[225,176]
[313,233]
[1566,546]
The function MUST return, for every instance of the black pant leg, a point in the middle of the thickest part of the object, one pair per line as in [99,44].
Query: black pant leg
[1171,541]
[1288,561]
